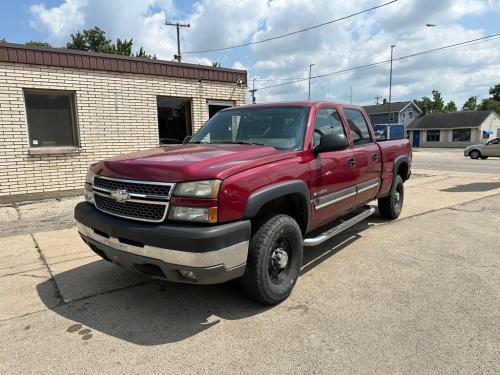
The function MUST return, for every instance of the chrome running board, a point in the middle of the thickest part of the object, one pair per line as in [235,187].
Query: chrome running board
[314,241]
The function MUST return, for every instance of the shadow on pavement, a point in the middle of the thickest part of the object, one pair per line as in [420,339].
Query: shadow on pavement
[157,312]
[473,187]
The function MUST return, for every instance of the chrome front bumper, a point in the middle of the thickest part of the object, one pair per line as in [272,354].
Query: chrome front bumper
[210,267]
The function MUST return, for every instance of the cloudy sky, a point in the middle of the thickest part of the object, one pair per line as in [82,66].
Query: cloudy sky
[458,73]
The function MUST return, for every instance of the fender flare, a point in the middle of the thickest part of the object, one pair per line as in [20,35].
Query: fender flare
[397,163]
[260,197]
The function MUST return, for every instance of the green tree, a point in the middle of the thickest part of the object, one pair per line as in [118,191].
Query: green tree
[143,54]
[470,104]
[95,40]
[90,40]
[495,92]
[437,102]
[425,104]
[450,107]
[40,44]
[216,64]
[489,105]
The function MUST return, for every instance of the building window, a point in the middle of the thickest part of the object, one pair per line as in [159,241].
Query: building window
[391,117]
[461,135]
[359,128]
[403,115]
[433,135]
[174,119]
[51,118]
[410,114]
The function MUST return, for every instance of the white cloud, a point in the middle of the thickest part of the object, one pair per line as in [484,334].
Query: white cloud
[58,21]
[457,73]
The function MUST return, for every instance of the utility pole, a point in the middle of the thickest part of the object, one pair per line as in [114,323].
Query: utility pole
[310,69]
[178,25]
[350,97]
[390,83]
[253,90]
[377,98]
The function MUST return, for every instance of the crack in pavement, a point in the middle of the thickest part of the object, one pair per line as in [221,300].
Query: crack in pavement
[58,294]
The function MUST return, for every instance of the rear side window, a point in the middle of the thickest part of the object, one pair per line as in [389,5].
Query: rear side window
[327,122]
[359,128]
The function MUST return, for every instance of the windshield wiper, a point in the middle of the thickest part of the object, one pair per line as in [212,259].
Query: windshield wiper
[245,143]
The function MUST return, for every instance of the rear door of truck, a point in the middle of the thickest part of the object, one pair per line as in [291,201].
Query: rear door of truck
[367,155]
[333,175]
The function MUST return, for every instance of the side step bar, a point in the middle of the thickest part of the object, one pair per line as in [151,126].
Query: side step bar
[314,241]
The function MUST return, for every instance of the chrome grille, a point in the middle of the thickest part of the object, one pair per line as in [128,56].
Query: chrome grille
[136,187]
[130,209]
[132,199]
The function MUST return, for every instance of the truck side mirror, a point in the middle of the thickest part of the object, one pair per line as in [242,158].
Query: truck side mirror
[186,139]
[332,142]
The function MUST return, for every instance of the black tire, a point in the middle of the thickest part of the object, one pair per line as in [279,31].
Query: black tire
[265,280]
[484,157]
[390,207]
[475,154]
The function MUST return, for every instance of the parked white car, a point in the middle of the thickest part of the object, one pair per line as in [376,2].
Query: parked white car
[483,151]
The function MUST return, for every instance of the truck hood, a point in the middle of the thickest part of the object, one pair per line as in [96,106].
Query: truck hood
[189,162]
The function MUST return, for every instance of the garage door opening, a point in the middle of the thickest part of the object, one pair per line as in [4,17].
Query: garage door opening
[174,119]
[215,106]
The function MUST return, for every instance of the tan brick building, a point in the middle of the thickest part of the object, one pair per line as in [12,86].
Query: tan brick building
[61,110]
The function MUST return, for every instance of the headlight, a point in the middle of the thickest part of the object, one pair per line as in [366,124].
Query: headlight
[202,214]
[89,178]
[198,189]
[87,188]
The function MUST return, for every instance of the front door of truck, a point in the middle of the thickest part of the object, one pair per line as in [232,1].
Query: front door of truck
[366,154]
[333,175]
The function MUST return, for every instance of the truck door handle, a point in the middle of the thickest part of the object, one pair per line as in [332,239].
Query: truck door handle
[351,162]
[374,157]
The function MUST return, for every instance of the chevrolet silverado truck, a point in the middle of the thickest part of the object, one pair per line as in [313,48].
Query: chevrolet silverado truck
[244,196]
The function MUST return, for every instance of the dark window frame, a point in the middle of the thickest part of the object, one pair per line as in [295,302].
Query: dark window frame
[73,116]
[430,136]
[369,140]
[316,118]
[454,138]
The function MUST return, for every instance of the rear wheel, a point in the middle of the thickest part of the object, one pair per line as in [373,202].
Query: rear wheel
[390,207]
[274,260]
[474,154]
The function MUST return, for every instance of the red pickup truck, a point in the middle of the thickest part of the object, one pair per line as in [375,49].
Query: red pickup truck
[243,197]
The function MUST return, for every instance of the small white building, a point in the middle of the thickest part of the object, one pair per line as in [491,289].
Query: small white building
[454,129]
[62,110]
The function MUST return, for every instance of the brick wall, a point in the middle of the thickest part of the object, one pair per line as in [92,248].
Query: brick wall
[116,114]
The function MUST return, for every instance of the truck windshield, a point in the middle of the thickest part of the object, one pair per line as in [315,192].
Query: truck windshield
[280,127]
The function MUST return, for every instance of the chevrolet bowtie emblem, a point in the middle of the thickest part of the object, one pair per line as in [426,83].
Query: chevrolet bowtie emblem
[120,196]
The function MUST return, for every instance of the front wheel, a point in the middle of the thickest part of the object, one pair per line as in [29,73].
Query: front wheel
[274,260]
[475,154]
[390,207]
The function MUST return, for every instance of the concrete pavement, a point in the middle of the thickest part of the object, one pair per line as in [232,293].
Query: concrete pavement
[419,295]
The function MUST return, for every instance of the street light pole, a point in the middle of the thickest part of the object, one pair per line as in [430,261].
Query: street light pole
[390,83]
[310,69]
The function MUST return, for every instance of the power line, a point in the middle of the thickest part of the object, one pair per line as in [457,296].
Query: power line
[295,32]
[372,65]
